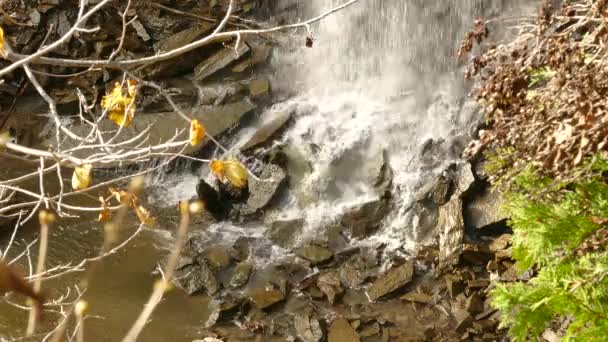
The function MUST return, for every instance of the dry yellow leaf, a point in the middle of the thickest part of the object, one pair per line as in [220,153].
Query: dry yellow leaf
[232,171]
[104,214]
[2,48]
[197,132]
[121,106]
[81,178]
[123,197]
[144,216]
[4,138]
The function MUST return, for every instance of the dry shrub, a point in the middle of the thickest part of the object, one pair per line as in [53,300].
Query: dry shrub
[544,92]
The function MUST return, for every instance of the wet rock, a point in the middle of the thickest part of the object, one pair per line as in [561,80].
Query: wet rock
[264,298]
[341,331]
[308,328]
[315,254]
[261,191]
[364,219]
[451,232]
[417,297]
[391,281]
[259,88]
[266,129]
[436,192]
[219,60]
[218,258]
[329,283]
[195,276]
[241,274]
[353,272]
[259,54]
[285,233]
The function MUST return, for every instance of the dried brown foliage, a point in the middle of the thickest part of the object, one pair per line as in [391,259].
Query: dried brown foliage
[544,93]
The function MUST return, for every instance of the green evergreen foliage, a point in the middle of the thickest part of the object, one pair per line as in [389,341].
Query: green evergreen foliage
[561,233]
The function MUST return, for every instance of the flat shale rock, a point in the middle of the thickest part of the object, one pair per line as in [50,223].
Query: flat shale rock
[315,254]
[341,331]
[391,281]
[263,298]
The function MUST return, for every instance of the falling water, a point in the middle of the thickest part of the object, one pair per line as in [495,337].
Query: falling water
[382,76]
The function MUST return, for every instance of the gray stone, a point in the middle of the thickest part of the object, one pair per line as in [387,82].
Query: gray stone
[352,273]
[259,54]
[315,254]
[308,328]
[391,281]
[263,190]
[484,209]
[266,129]
[341,331]
[195,276]
[241,274]
[217,257]
[184,37]
[219,60]
[263,298]
[285,233]
[451,232]
[259,88]
[329,283]
[363,219]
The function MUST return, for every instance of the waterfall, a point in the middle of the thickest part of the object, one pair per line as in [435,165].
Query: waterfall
[382,75]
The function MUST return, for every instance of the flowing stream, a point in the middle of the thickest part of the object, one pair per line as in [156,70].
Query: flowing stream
[381,76]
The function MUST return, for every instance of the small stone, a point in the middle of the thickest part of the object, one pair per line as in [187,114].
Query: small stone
[217,257]
[308,328]
[501,243]
[391,281]
[218,61]
[486,325]
[241,273]
[263,298]
[417,297]
[341,331]
[352,272]
[478,283]
[266,129]
[329,283]
[315,254]
[285,233]
[258,88]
